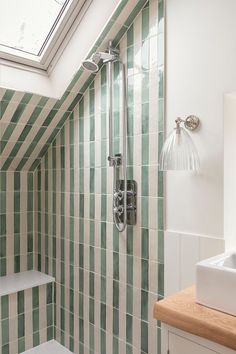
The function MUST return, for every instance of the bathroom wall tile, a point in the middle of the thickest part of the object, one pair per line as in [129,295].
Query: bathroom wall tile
[104,283]
[28,120]
[172,262]
[179,266]
[188,261]
[25,316]
[209,248]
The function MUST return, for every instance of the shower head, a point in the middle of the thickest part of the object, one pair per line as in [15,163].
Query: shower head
[90,65]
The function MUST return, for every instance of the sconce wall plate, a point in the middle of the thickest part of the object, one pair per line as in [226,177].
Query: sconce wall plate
[192,122]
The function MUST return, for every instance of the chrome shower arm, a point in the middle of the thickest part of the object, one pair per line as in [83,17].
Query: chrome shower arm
[106,57]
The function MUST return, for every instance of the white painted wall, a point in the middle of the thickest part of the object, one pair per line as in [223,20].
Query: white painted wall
[230,170]
[201,67]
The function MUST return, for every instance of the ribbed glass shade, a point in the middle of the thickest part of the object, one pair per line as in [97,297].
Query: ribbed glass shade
[179,152]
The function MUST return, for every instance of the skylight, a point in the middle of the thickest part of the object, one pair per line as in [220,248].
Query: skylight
[27,24]
[31,31]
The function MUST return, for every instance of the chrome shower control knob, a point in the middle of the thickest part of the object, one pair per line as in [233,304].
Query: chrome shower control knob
[119,210]
[118,195]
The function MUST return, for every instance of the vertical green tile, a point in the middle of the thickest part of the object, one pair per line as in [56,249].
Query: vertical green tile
[129,328]
[4,307]
[145,243]
[144,212]
[116,322]
[103,316]
[35,297]
[21,325]
[144,274]
[5,331]
[129,269]
[20,302]
[144,305]
[144,336]
[129,299]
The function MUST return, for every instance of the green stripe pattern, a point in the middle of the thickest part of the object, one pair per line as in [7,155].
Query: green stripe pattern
[29,123]
[16,222]
[106,282]
[56,198]
[26,319]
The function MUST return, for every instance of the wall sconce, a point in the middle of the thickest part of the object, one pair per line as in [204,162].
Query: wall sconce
[179,152]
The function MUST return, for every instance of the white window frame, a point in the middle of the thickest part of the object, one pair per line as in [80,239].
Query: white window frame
[54,44]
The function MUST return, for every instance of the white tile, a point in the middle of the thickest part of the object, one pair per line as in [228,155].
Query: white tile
[153,10]
[136,332]
[172,263]
[153,277]
[153,149]
[153,245]
[209,247]
[48,348]
[189,252]
[152,213]
[182,252]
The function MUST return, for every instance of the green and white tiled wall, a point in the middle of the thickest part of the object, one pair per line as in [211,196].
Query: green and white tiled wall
[16,222]
[28,125]
[29,122]
[106,282]
[24,315]
[26,319]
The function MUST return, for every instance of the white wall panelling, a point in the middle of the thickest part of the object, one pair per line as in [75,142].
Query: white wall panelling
[182,252]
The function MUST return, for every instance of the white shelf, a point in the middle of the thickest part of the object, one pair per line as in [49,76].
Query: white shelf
[48,348]
[20,281]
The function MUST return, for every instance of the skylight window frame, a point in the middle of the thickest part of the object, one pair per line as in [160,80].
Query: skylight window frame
[57,39]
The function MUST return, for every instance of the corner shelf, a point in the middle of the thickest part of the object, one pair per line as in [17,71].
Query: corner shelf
[13,283]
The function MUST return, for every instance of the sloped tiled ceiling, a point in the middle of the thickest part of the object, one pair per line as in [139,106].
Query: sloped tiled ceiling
[29,123]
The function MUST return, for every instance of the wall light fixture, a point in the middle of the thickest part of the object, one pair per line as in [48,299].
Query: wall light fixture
[179,151]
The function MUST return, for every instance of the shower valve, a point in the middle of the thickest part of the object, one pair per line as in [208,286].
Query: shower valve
[131,201]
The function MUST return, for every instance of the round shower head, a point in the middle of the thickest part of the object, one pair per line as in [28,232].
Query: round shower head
[90,65]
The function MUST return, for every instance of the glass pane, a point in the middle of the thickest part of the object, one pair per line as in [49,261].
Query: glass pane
[25,24]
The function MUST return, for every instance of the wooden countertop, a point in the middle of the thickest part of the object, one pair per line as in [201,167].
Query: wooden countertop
[181,311]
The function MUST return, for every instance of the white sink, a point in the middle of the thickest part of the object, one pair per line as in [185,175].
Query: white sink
[216,282]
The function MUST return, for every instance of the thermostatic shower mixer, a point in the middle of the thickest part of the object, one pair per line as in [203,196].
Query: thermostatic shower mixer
[131,200]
